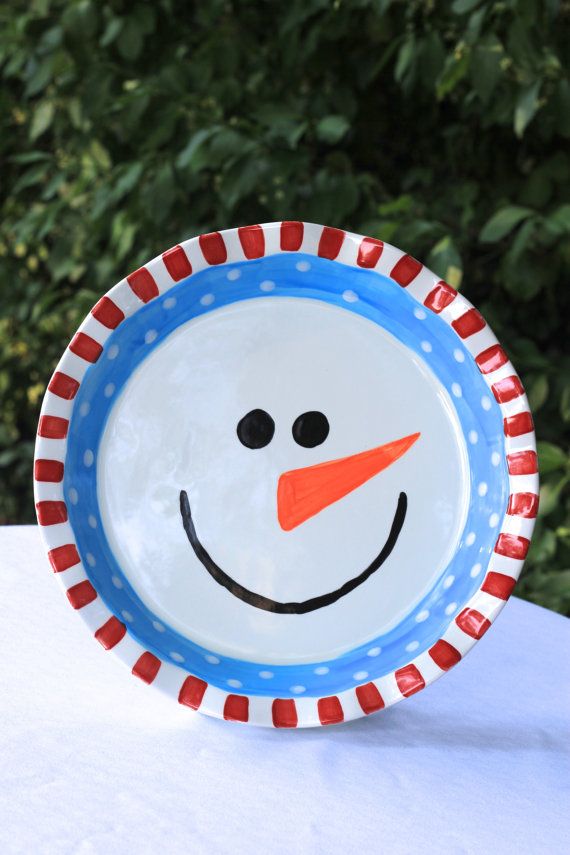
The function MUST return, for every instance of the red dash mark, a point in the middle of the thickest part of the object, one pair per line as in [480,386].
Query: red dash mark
[507,389]
[522,463]
[53,427]
[177,263]
[491,359]
[330,710]
[48,470]
[108,313]
[523,505]
[63,386]
[468,323]
[143,285]
[284,713]
[369,698]
[444,655]
[51,513]
[252,241]
[369,252]
[85,347]
[409,680]
[498,585]
[512,545]
[405,270]
[519,424]
[110,633]
[192,692]
[63,557]
[81,595]
[236,708]
[213,248]
[330,242]
[291,236]
[441,297]
[146,667]
[473,623]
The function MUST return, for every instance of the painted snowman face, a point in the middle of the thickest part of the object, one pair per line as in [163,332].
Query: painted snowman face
[282,480]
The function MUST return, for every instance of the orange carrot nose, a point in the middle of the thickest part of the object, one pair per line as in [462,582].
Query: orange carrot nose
[302,493]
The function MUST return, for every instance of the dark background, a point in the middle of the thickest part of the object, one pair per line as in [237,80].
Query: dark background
[442,127]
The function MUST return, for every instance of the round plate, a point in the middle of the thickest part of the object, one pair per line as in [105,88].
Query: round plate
[286,473]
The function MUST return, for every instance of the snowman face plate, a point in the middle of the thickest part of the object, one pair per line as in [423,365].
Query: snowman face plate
[286,474]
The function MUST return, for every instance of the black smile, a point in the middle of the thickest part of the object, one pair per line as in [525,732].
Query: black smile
[269,605]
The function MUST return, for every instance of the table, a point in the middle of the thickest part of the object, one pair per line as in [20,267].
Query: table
[94,761]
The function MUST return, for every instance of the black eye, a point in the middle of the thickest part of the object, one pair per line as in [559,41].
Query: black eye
[310,429]
[256,429]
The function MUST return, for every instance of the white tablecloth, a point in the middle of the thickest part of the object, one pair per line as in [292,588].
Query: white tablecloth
[94,761]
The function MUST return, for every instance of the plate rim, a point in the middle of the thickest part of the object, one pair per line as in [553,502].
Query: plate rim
[247,243]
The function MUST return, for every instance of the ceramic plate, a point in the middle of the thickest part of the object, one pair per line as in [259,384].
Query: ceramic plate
[286,473]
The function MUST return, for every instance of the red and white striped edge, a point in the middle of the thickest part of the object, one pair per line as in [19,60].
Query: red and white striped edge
[235,245]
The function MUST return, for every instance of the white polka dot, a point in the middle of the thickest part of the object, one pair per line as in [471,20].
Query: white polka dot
[84,408]
[423,615]
[176,656]
[303,266]
[486,402]
[420,314]
[169,303]
[413,645]
[475,570]
[158,626]
[207,299]
[450,608]
[127,616]
[470,539]
[483,488]
[88,457]
[234,274]
[73,495]
[473,437]
[375,651]
[459,355]
[235,684]
[494,520]
[457,390]
[495,458]
[426,346]
[268,285]
[90,558]
[92,521]
[298,690]
[116,582]
[266,675]
[109,389]
[150,336]
[213,660]
[360,675]
[321,670]
[349,296]
[448,582]
[113,351]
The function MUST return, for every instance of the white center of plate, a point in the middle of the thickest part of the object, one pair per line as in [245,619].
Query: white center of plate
[173,428]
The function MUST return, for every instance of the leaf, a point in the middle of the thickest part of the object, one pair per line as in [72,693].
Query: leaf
[526,106]
[537,392]
[550,457]
[502,222]
[454,70]
[461,7]
[187,156]
[444,259]
[42,119]
[331,129]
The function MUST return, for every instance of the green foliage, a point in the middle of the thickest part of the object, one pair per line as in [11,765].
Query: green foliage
[440,126]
